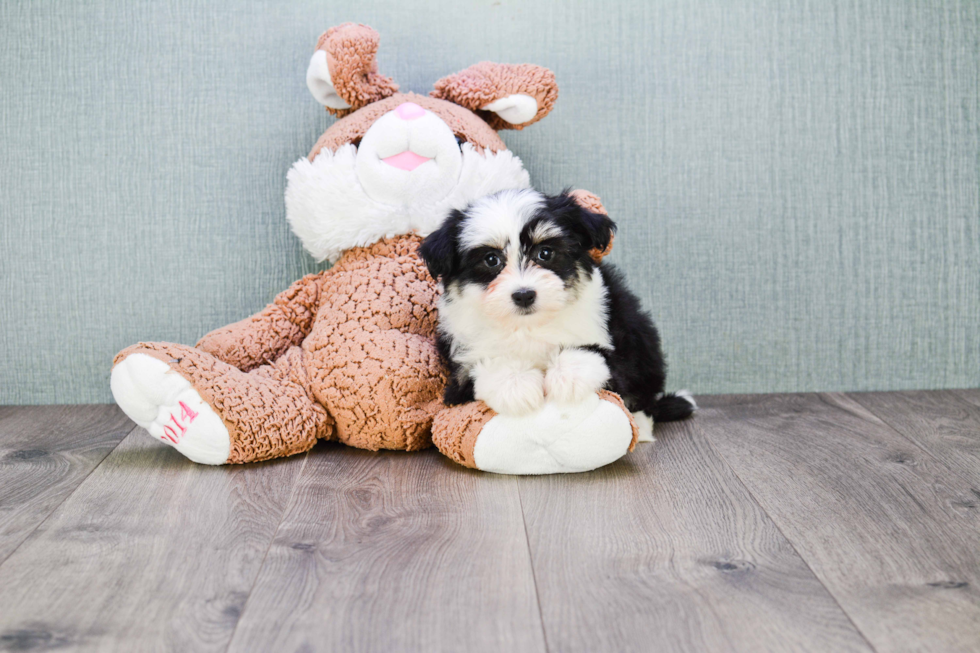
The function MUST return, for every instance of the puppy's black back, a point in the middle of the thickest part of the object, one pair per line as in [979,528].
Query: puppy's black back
[636,363]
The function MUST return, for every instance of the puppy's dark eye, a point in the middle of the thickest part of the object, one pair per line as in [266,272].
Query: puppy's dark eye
[492,260]
[545,254]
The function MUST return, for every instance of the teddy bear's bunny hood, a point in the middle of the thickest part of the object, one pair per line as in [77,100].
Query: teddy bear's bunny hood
[397,163]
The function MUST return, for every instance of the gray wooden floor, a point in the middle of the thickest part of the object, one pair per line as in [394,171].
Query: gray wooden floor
[830,522]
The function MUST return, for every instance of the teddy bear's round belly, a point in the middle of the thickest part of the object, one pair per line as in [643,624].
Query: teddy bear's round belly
[371,355]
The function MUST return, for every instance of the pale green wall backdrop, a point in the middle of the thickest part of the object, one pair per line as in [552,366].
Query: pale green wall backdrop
[796,182]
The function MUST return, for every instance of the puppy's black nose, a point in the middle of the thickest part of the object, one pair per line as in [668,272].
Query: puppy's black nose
[524,297]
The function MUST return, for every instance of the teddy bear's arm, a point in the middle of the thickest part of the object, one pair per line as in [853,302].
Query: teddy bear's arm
[262,338]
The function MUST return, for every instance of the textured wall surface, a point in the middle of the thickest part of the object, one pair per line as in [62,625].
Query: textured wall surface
[796,182]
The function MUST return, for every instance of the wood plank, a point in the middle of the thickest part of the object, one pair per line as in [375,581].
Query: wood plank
[890,531]
[151,552]
[395,551]
[45,452]
[971,395]
[665,550]
[940,422]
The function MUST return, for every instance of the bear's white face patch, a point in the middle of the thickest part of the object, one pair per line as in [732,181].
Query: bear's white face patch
[330,209]
[408,156]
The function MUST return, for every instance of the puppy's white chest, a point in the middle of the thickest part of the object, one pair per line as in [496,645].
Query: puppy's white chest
[535,348]
[523,347]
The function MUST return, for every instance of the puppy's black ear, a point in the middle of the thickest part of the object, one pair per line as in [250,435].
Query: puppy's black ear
[439,249]
[594,231]
[598,230]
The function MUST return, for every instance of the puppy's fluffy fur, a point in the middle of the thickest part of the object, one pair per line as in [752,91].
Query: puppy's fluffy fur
[527,313]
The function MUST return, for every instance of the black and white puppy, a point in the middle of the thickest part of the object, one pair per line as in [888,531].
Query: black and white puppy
[526,312]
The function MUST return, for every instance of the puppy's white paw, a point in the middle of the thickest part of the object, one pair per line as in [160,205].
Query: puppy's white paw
[574,375]
[167,405]
[509,390]
[644,424]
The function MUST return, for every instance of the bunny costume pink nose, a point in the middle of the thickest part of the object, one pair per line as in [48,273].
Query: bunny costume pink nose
[406,160]
[409,111]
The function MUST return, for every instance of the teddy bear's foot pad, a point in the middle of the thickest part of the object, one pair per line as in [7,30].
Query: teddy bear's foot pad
[164,403]
[555,439]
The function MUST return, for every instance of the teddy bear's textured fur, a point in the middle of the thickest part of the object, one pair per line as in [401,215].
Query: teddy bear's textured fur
[481,83]
[349,354]
[351,56]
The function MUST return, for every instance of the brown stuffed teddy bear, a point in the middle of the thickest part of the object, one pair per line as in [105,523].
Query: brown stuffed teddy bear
[349,354]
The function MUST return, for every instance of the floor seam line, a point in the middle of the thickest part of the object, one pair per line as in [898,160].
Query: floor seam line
[67,496]
[530,560]
[914,443]
[792,545]
[272,540]
[956,392]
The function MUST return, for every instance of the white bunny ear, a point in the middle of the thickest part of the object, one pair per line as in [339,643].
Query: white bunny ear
[515,109]
[506,96]
[319,82]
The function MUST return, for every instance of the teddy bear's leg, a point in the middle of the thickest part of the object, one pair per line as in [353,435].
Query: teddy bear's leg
[214,413]
[554,439]
[383,387]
